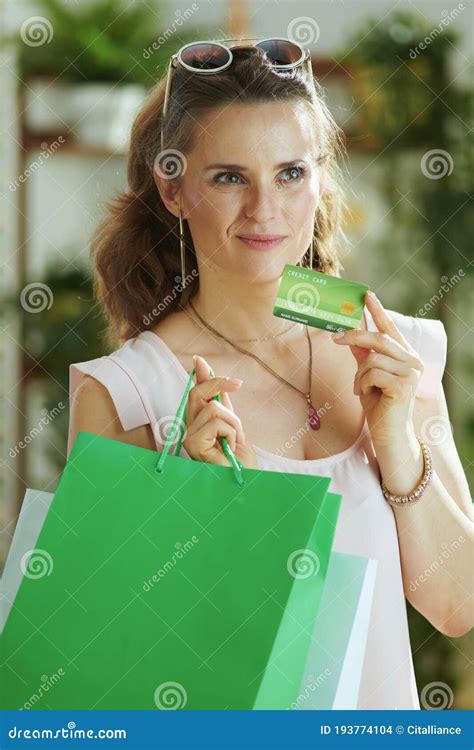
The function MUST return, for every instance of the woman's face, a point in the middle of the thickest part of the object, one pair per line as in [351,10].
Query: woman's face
[252,171]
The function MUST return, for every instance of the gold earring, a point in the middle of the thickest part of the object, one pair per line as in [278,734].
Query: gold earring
[182,248]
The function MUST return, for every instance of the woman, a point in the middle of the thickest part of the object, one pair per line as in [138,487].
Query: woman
[236,178]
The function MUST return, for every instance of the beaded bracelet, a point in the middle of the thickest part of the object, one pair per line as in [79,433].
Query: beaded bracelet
[414,496]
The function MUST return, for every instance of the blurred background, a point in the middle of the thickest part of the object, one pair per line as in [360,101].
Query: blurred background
[397,78]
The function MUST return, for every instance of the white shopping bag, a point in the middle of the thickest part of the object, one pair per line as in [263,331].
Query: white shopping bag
[333,671]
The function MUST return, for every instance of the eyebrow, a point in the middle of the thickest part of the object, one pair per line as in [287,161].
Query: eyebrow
[240,168]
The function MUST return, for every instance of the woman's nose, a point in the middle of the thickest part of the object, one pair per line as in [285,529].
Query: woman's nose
[260,203]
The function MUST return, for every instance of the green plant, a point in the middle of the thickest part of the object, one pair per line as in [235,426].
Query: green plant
[397,81]
[63,327]
[410,104]
[101,41]
[400,33]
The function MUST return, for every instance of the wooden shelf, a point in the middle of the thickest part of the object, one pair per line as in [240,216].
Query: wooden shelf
[71,145]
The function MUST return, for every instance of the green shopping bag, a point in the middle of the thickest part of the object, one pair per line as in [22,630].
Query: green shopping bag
[332,675]
[166,582]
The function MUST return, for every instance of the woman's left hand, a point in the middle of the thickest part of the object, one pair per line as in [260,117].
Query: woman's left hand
[387,375]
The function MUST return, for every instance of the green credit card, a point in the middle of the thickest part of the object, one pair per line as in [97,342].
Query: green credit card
[319,300]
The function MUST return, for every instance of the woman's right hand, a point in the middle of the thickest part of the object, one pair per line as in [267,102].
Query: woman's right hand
[208,419]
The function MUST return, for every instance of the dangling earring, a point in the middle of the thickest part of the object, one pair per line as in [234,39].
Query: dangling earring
[311,252]
[182,248]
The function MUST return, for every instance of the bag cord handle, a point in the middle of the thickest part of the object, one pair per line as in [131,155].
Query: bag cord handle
[179,422]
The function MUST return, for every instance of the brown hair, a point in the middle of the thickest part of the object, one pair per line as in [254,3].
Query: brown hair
[135,249]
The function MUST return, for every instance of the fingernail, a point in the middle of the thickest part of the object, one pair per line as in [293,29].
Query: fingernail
[338,335]
[236,381]
[372,294]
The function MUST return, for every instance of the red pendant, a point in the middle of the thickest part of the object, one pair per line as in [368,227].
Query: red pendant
[314,421]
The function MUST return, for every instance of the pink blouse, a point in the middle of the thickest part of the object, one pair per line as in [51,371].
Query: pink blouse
[146,381]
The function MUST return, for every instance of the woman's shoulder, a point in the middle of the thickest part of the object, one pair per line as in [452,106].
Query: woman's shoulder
[428,338]
[139,376]
[116,374]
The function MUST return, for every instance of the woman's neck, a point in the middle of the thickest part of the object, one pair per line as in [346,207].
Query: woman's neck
[242,312]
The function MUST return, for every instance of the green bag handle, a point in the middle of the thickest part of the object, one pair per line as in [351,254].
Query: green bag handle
[179,422]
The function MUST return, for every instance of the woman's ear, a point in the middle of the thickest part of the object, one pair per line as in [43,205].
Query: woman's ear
[169,191]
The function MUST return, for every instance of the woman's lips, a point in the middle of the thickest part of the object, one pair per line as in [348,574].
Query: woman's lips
[262,241]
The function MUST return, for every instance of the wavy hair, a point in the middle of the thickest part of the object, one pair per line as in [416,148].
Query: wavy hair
[135,249]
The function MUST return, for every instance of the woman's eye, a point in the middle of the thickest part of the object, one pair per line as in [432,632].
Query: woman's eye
[295,173]
[218,178]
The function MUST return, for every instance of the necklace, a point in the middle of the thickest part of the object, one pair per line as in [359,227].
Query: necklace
[313,416]
[269,336]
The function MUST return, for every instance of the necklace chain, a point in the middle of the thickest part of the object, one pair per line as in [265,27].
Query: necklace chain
[264,364]
[270,337]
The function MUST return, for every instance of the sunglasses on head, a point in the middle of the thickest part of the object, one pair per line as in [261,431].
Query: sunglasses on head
[207,58]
